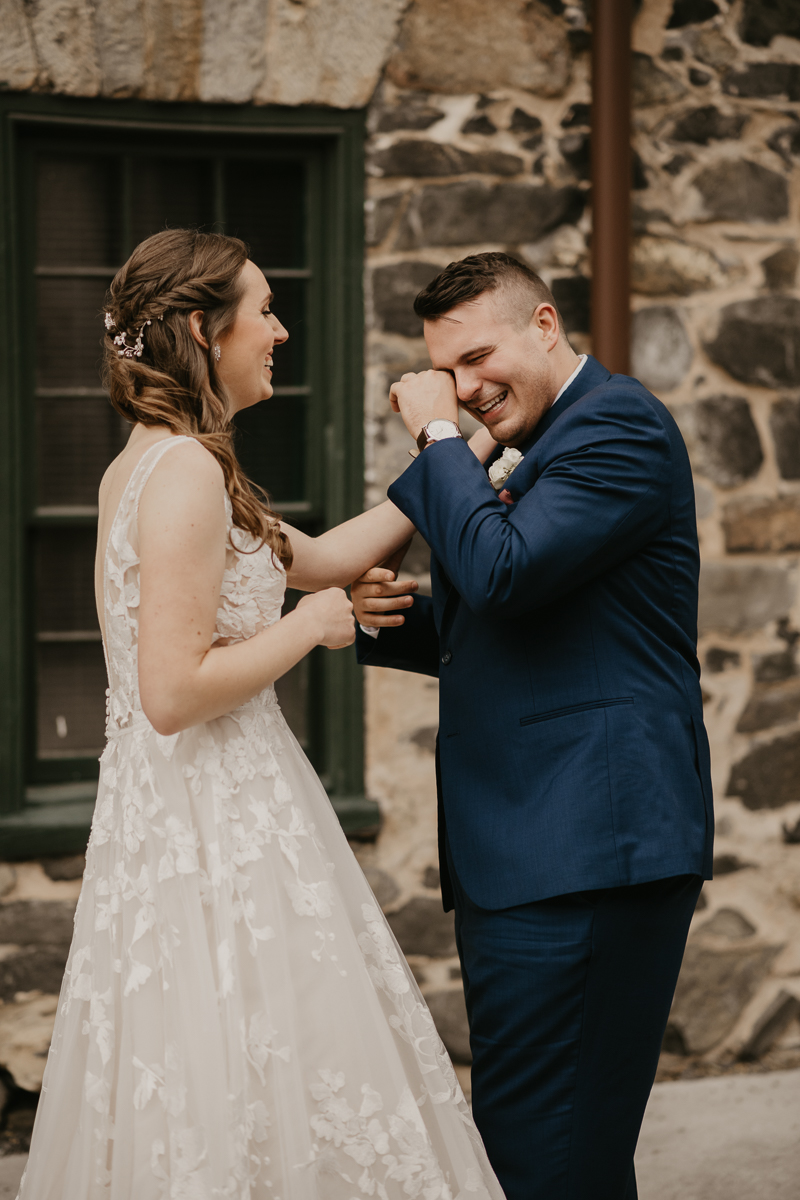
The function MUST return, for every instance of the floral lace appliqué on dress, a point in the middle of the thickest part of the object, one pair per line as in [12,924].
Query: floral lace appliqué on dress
[236,1019]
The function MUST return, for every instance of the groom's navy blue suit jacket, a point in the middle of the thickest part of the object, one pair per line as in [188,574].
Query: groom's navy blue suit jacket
[572,753]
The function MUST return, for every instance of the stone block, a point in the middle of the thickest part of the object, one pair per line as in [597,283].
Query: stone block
[786,142]
[780,268]
[8,878]
[758,341]
[41,933]
[525,123]
[650,85]
[69,866]
[384,888]
[775,80]
[769,776]
[691,12]
[379,213]
[479,124]
[430,878]
[702,125]
[394,289]
[784,423]
[425,738]
[575,149]
[327,53]
[421,927]
[572,294]
[120,33]
[173,46]
[728,864]
[26,1028]
[449,1012]
[772,668]
[473,211]
[729,446]
[770,1025]
[233,57]
[728,923]
[703,500]
[18,65]
[714,987]
[413,111]
[762,525]
[741,598]
[661,353]
[576,114]
[420,158]
[761,21]
[699,78]
[669,267]
[64,37]
[741,190]
[447,46]
[718,659]
[770,704]
[711,46]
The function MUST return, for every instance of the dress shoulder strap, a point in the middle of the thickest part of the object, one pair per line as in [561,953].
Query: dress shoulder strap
[145,467]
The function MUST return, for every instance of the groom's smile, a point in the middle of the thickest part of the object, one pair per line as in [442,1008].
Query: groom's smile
[507,364]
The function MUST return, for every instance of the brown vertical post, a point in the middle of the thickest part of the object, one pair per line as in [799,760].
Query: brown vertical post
[611,182]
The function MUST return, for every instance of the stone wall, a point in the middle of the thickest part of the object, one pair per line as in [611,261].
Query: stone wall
[479,140]
[479,144]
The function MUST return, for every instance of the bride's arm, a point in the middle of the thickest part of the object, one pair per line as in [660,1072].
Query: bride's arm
[336,558]
[183,679]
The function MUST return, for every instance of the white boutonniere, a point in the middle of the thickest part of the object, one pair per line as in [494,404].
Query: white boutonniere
[500,471]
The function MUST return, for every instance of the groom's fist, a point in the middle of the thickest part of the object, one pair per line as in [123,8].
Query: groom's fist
[420,398]
[377,598]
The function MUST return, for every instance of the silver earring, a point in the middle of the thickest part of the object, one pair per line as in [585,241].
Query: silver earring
[217,352]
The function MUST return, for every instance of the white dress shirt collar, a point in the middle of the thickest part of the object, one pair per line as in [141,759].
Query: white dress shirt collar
[581,360]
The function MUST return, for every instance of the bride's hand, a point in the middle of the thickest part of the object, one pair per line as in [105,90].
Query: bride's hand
[482,444]
[334,612]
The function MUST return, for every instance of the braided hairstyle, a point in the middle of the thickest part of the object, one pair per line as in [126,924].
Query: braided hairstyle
[171,380]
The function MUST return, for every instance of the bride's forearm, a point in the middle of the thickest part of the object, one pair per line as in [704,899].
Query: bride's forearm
[336,558]
[177,692]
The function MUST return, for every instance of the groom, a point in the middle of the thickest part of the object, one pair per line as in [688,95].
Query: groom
[575,815]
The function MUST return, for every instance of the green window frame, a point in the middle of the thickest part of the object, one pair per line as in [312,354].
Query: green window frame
[46,802]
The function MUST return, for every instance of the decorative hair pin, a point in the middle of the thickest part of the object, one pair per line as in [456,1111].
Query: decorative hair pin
[123,338]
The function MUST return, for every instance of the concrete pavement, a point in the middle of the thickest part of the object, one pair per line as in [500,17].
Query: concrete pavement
[736,1137]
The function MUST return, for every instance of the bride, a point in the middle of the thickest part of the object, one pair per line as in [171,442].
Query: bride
[236,1019]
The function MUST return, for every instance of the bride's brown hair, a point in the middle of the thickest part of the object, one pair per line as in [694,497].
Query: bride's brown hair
[173,381]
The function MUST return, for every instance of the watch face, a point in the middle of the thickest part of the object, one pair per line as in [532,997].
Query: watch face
[441,428]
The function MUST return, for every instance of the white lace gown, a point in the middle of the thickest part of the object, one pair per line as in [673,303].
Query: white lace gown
[236,1019]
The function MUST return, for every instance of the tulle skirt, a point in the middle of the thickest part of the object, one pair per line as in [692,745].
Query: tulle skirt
[236,1019]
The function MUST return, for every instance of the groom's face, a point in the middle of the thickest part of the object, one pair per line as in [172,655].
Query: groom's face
[500,360]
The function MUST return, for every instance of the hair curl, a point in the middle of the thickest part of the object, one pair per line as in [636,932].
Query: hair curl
[174,382]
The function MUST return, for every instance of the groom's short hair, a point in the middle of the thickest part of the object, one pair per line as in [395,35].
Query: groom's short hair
[471,277]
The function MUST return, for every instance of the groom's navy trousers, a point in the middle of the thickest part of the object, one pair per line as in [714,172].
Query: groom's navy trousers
[575,808]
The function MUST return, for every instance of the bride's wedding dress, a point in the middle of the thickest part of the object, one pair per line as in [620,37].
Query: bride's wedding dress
[236,1019]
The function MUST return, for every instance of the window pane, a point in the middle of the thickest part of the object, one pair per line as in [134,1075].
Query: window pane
[76,440]
[72,699]
[78,212]
[170,194]
[64,564]
[289,307]
[265,205]
[69,331]
[271,446]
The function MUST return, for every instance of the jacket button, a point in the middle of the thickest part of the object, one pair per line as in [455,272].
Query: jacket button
[447,657]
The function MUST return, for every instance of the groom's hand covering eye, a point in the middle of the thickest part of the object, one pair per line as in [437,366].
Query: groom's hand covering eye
[424,397]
